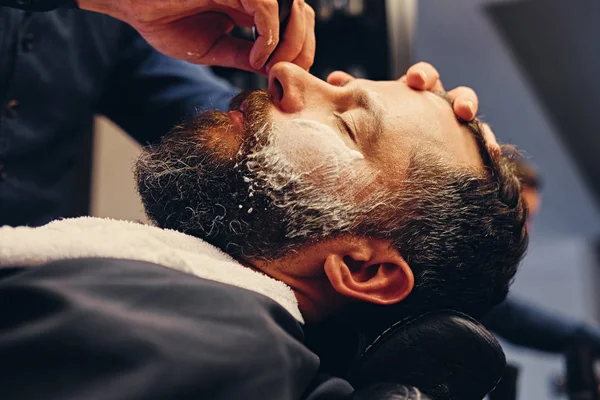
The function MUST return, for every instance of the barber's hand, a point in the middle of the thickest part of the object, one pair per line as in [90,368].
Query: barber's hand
[199,30]
[423,76]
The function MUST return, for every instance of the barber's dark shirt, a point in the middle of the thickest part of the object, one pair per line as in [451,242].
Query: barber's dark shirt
[57,70]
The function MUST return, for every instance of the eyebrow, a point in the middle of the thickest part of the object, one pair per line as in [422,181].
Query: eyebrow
[362,98]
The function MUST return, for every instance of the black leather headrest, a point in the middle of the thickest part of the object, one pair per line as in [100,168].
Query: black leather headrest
[446,354]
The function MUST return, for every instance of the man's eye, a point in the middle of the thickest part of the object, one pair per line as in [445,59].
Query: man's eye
[345,126]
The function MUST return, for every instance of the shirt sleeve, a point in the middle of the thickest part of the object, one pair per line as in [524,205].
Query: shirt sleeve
[38,5]
[527,325]
[148,93]
[115,329]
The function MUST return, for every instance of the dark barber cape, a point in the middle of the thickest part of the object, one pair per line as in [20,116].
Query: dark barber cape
[116,329]
[93,308]
[57,70]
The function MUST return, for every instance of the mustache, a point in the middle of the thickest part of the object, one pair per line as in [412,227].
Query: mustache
[247,99]
[255,106]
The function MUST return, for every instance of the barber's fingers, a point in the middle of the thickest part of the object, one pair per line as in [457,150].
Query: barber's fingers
[423,76]
[266,20]
[205,39]
[307,55]
[339,78]
[293,45]
[466,102]
[490,140]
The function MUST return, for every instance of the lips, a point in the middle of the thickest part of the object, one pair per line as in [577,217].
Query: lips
[238,102]
[237,119]
[249,110]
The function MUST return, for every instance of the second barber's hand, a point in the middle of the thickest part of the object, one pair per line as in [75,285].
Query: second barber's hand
[199,30]
[423,76]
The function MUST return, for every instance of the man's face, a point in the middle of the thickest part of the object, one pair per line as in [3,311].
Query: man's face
[298,163]
[344,192]
[360,131]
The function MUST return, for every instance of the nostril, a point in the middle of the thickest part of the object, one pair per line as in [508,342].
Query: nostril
[287,84]
[278,90]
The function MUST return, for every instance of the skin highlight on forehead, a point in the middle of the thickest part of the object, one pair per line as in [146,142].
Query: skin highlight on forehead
[474,134]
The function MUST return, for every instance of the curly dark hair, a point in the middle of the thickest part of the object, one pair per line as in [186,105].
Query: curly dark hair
[463,235]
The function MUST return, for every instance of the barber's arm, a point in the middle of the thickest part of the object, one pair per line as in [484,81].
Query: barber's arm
[199,30]
[527,325]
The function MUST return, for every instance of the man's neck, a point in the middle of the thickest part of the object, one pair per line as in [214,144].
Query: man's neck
[315,295]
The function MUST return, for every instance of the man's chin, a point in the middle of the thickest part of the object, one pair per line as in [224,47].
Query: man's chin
[224,141]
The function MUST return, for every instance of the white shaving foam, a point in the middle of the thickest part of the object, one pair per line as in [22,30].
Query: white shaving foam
[309,151]
[313,160]
[307,136]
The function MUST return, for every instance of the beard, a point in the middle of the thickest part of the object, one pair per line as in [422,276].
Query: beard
[250,203]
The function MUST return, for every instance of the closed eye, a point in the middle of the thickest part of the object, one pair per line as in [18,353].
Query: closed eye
[346,127]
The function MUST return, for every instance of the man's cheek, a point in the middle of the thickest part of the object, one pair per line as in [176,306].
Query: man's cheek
[310,145]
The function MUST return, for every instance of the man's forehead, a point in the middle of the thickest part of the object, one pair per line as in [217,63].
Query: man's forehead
[434,127]
[474,126]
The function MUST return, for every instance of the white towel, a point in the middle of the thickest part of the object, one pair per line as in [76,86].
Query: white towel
[89,237]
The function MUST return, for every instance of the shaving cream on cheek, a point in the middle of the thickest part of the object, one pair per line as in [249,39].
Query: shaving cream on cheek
[314,144]
[309,154]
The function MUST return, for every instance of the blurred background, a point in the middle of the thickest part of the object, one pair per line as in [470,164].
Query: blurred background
[535,65]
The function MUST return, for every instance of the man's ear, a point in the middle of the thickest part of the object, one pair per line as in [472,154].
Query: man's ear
[370,270]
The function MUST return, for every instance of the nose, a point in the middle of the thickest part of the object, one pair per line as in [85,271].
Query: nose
[293,89]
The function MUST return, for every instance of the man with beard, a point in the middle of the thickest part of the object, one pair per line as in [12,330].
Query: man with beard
[363,201]
[345,192]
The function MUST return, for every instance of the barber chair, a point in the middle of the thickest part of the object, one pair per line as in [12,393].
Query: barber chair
[445,354]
